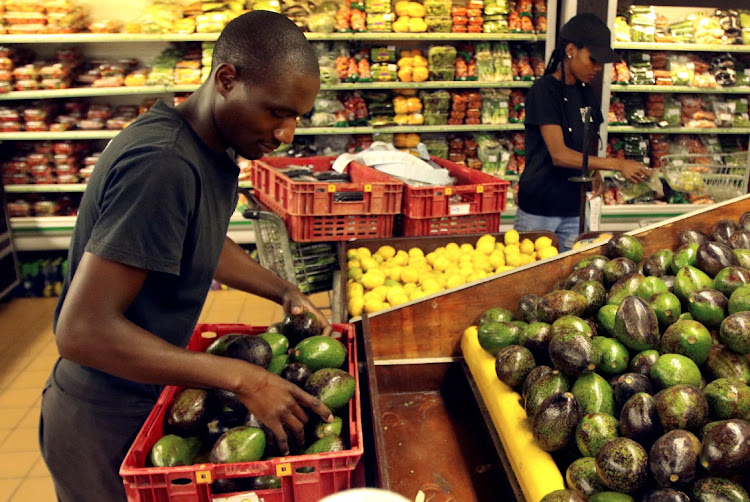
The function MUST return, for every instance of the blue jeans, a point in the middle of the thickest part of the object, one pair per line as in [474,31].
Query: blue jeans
[565,227]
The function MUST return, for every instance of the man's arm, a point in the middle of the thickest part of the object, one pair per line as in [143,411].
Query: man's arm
[237,270]
[93,331]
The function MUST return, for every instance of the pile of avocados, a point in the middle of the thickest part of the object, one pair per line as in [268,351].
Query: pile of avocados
[634,370]
[213,426]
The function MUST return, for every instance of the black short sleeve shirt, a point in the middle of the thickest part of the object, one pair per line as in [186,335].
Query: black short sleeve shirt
[544,188]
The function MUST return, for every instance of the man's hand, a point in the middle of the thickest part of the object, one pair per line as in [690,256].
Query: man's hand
[294,302]
[597,185]
[278,405]
[633,171]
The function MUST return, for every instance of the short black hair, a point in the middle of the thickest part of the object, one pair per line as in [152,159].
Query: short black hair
[262,45]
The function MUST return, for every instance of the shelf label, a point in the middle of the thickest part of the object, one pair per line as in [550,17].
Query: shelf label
[331,188]
[284,469]
[448,191]
[203,478]
[368,187]
[480,188]
[459,209]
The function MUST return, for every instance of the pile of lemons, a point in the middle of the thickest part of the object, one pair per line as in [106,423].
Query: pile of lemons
[387,277]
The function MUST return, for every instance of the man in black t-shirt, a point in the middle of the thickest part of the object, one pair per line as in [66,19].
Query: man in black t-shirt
[555,108]
[149,239]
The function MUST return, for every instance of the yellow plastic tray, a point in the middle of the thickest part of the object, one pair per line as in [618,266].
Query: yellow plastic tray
[534,468]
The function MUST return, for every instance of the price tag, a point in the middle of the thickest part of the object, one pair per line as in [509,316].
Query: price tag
[368,187]
[242,497]
[331,188]
[480,188]
[459,209]
[448,191]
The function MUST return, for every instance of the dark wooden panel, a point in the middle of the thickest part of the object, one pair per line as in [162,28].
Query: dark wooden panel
[433,327]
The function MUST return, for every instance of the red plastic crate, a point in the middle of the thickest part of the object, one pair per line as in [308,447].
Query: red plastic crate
[331,472]
[340,227]
[382,194]
[469,224]
[480,193]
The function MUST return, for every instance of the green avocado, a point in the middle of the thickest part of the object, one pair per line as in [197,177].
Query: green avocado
[545,386]
[278,342]
[326,444]
[685,256]
[688,338]
[667,308]
[622,465]
[172,450]
[624,245]
[496,314]
[318,352]
[334,387]
[581,477]
[649,287]
[606,318]
[739,300]
[593,431]
[708,307]
[494,336]
[734,332]
[240,444]
[612,356]
[594,394]
[675,369]
[728,398]
[690,279]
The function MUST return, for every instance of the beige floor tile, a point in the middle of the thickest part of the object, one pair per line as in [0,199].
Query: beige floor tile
[17,465]
[38,470]
[41,489]
[8,487]
[30,380]
[10,417]
[44,362]
[18,398]
[4,433]
[21,440]
[30,420]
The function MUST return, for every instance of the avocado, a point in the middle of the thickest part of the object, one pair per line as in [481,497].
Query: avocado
[674,458]
[278,342]
[229,400]
[668,280]
[642,362]
[626,386]
[675,369]
[334,387]
[612,357]
[172,450]
[297,373]
[728,398]
[744,220]
[562,496]
[534,375]
[715,489]
[596,260]
[688,338]
[513,364]
[682,407]
[739,300]
[684,256]
[743,256]
[711,257]
[639,419]
[581,477]
[494,336]
[658,264]
[220,424]
[527,306]
[626,246]
[606,318]
[326,444]
[689,279]
[726,448]
[545,386]
[685,316]
[649,287]
[665,495]
[636,325]
[724,363]
[536,337]
[252,349]
[584,274]
[555,422]
[723,229]
[240,444]
[297,327]
[708,307]
[572,353]
[560,303]
[594,394]
[189,412]
[267,482]
[496,314]
[274,328]
[323,429]
[616,269]
[278,363]
[734,332]
[692,235]
[622,464]
[571,324]
[607,496]
[219,346]
[593,431]
[595,294]
[730,278]
[627,286]
[667,308]
[318,352]
[231,485]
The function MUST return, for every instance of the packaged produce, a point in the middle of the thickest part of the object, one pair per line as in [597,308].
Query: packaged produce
[19,208]
[441,56]
[439,24]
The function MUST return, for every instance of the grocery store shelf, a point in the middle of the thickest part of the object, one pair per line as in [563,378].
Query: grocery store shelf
[209,37]
[309,131]
[64,188]
[680,88]
[78,92]
[679,130]
[647,46]
[58,135]
[468,84]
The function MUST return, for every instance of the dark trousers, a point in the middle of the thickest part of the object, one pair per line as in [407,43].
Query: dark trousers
[84,445]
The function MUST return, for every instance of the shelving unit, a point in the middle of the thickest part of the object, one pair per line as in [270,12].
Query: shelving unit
[686,89]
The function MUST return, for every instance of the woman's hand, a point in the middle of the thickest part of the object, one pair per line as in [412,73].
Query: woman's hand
[633,171]
[294,302]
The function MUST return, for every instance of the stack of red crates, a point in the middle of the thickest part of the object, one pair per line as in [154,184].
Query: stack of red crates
[303,477]
[310,209]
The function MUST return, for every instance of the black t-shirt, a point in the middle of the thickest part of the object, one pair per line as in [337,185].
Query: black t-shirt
[544,188]
[158,200]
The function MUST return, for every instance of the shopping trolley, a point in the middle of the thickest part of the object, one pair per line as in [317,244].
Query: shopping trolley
[309,266]
[720,176]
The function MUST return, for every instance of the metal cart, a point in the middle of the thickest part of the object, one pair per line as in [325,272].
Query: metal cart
[721,176]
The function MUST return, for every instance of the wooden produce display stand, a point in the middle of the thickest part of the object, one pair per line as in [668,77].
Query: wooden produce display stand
[428,428]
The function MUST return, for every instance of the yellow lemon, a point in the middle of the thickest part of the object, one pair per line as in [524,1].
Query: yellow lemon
[527,247]
[393,284]
[355,289]
[500,246]
[369,263]
[417,294]
[355,306]
[398,299]
[363,252]
[401,258]
[352,254]
[452,270]
[440,251]
[542,242]
[386,305]
[486,244]
[355,273]
[382,292]
[386,251]
[409,274]
[441,280]
[497,259]
[502,269]
[431,284]
[466,248]
[410,287]
[547,252]
[373,306]
[513,260]
[525,259]
[378,258]
[476,275]
[511,237]
[353,264]
[534,256]
[395,274]
[430,257]
[372,296]
[441,264]
[416,252]
[511,250]
[465,258]
[451,246]
[454,281]
[372,279]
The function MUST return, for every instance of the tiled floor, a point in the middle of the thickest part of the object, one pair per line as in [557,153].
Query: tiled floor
[27,353]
